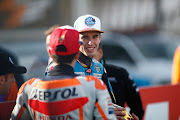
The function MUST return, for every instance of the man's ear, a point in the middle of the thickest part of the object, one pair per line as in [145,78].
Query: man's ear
[2,79]
[100,37]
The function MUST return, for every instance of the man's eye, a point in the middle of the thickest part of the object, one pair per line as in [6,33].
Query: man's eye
[85,37]
[96,36]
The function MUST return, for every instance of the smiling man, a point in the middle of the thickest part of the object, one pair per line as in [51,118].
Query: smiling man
[91,42]
[89,27]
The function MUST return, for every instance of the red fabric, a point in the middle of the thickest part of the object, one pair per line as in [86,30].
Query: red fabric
[12,92]
[56,108]
[67,37]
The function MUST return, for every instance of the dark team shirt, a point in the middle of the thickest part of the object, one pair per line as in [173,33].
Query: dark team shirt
[124,89]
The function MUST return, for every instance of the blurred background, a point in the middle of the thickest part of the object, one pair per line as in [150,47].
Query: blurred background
[140,35]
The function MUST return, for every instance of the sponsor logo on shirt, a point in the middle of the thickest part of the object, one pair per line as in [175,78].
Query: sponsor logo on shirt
[64,117]
[110,106]
[49,101]
[88,71]
[97,75]
[97,68]
[54,94]
[110,110]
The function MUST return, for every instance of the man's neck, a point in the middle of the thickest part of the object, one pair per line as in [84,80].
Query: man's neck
[70,64]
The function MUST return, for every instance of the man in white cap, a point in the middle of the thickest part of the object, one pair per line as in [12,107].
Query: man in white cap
[89,27]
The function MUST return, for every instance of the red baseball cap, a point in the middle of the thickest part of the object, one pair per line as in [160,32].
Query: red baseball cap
[64,41]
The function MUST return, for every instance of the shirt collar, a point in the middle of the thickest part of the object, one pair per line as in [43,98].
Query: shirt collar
[62,69]
[85,59]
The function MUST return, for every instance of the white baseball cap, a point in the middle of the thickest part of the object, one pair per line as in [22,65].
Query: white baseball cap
[88,23]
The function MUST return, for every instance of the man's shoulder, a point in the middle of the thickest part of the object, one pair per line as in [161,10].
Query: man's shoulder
[29,82]
[97,83]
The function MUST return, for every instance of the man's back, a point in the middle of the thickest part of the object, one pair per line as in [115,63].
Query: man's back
[66,97]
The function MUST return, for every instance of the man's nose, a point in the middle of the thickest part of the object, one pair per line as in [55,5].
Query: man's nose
[90,42]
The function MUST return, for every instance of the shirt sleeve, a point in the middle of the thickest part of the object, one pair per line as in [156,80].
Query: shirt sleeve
[133,97]
[103,107]
[20,111]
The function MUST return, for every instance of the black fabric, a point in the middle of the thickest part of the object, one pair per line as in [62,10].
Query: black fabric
[62,69]
[86,60]
[124,89]
[105,80]
[61,48]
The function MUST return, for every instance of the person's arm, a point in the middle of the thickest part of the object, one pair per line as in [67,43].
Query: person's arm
[133,98]
[119,112]
[20,111]
[103,106]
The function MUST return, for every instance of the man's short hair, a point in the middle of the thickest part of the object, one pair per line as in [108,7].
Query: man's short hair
[63,59]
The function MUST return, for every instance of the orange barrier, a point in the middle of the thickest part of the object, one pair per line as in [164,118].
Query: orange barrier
[161,102]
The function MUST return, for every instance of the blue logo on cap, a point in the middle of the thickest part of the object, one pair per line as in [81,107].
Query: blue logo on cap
[89,21]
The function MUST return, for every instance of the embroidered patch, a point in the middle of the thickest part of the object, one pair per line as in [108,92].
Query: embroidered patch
[89,21]
[97,68]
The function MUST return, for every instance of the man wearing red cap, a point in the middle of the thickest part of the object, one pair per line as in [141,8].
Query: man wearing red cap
[62,95]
